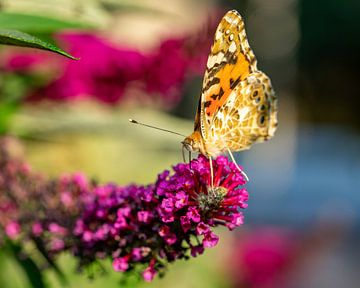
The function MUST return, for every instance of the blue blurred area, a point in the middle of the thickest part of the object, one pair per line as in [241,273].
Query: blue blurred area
[324,182]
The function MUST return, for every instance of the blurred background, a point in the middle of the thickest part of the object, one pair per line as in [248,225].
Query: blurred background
[144,59]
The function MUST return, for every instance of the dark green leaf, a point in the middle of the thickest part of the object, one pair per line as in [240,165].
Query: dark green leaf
[41,247]
[35,24]
[30,268]
[17,38]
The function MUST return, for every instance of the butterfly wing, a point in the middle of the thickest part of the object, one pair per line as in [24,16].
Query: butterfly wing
[248,116]
[228,116]
[229,62]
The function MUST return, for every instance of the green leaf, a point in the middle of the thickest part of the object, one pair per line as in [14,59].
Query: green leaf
[41,247]
[36,24]
[30,268]
[17,38]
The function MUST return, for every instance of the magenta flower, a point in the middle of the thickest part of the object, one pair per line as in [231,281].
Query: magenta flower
[168,68]
[57,229]
[56,245]
[144,216]
[25,61]
[105,71]
[37,229]
[266,255]
[149,273]
[210,239]
[121,264]
[13,230]
[133,225]
[183,206]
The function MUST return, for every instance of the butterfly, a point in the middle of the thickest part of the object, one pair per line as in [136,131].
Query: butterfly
[238,106]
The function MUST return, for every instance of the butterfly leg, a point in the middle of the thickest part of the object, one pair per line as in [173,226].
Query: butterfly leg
[183,154]
[190,160]
[211,171]
[237,166]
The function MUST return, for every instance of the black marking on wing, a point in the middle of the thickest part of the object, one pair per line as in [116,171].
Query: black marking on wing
[197,122]
[207,104]
[234,83]
[213,81]
[218,96]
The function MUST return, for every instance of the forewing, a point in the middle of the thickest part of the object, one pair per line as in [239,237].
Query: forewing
[230,61]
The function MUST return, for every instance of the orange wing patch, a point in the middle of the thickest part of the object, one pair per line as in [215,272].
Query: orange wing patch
[230,61]
[229,77]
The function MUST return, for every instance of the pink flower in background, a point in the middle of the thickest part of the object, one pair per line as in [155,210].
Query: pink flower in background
[25,61]
[263,257]
[167,69]
[57,229]
[13,230]
[37,229]
[56,245]
[106,71]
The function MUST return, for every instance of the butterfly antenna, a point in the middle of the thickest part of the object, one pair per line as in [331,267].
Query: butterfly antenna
[157,128]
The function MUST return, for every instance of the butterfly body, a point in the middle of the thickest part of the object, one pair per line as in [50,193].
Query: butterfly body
[237,106]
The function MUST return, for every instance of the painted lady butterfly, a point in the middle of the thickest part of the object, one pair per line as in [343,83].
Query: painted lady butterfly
[237,106]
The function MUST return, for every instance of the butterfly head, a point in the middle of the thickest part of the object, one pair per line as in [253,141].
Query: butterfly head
[194,142]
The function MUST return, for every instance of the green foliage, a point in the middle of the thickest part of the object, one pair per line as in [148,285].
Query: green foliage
[13,87]
[32,271]
[35,24]
[6,111]
[17,38]
[12,90]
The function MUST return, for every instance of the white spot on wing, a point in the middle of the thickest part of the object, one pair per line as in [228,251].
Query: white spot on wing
[232,47]
[232,98]
[243,113]
[216,59]
[220,116]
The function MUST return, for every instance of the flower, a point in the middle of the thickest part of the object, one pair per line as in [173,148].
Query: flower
[37,229]
[266,255]
[150,272]
[12,230]
[133,225]
[106,71]
[24,61]
[168,69]
[163,216]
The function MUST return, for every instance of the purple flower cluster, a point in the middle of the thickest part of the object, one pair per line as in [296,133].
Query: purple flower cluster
[139,227]
[106,71]
[34,208]
[161,222]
